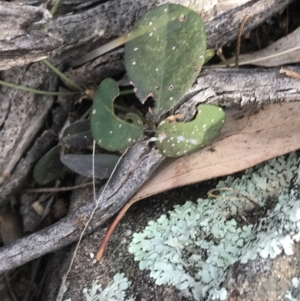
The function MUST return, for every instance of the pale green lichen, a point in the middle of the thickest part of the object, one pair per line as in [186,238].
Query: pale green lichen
[115,290]
[190,248]
[294,293]
[193,246]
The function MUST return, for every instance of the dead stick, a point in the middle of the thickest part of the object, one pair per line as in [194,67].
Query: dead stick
[290,73]
[56,189]
[238,45]
[112,228]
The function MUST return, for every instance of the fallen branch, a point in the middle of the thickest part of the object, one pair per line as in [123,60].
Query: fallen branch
[33,35]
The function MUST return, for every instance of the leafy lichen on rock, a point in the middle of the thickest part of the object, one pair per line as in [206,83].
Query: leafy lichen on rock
[192,247]
[189,249]
[294,293]
[115,290]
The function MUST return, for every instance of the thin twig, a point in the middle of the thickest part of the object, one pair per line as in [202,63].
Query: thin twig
[42,92]
[55,6]
[290,73]
[259,59]
[238,45]
[222,57]
[62,76]
[112,228]
[56,189]
[212,195]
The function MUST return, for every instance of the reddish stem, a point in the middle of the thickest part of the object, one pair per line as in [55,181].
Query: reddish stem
[112,227]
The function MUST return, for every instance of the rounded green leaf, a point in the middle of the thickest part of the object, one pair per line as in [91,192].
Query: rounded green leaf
[80,126]
[164,54]
[178,138]
[79,140]
[209,54]
[49,168]
[78,134]
[83,164]
[109,131]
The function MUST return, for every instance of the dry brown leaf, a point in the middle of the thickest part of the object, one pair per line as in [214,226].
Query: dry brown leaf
[249,137]
[282,52]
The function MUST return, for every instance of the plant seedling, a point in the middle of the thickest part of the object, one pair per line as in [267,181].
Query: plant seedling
[163,56]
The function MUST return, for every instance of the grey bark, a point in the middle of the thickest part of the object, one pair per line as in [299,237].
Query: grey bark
[28,34]
[63,35]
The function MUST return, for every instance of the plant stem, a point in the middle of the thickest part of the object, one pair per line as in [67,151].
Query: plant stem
[126,92]
[122,108]
[112,228]
[62,76]
[27,89]
[56,189]
[99,51]
[54,7]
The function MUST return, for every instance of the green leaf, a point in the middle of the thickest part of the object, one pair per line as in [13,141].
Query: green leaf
[179,138]
[109,131]
[80,140]
[209,54]
[49,168]
[82,164]
[78,134]
[77,127]
[165,53]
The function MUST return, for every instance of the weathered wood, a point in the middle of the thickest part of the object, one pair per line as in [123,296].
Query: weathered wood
[29,35]
[23,115]
[40,146]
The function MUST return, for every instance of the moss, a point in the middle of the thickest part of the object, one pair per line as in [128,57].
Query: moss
[192,247]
